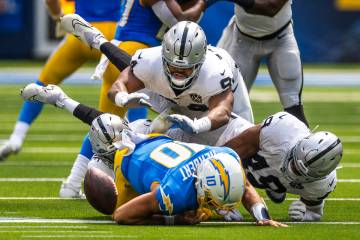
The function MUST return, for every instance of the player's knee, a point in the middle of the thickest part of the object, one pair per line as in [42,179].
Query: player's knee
[289,65]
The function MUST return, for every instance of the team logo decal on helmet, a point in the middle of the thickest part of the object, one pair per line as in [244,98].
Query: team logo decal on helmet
[224,176]
[183,47]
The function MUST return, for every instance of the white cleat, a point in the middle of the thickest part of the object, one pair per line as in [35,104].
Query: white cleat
[69,191]
[77,26]
[50,94]
[7,149]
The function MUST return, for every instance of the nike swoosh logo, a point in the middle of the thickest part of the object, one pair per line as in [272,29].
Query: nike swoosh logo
[235,88]
[281,36]
[332,182]
[281,117]
[77,22]
[222,74]
[140,56]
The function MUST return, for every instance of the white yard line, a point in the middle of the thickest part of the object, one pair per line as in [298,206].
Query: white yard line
[37,198]
[253,223]
[32,179]
[43,226]
[80,236]
[46,220]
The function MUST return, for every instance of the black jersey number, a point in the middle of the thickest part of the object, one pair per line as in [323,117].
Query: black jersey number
[258,162]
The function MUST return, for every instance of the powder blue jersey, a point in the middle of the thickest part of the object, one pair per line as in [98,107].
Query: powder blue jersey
[172,164]
[139,23]
[98,10]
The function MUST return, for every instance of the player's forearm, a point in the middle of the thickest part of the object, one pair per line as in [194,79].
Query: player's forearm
[116,56]
[54,9]
[86,114]
[254,203]
[219,117]
[193,13]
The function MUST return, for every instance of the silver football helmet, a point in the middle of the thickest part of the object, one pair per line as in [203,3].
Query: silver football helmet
[313,157]
[105,131]
[184,46]
[220,182]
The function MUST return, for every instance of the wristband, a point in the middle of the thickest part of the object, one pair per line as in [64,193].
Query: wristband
[120,98]
[169,220]
[260,212]
[202,124]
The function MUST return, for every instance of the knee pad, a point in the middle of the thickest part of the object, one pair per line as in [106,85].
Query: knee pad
[289,65]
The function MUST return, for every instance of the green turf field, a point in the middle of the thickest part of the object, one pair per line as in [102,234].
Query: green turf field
[30,209]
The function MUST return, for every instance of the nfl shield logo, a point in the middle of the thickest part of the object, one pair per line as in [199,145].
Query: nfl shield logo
[196,98]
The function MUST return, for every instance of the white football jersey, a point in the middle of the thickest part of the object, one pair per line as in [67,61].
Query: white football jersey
[215,76]
[279,134]
[259,25]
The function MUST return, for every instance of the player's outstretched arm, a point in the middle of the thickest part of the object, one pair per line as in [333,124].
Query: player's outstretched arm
[144,210]
[257,208]
[123,91]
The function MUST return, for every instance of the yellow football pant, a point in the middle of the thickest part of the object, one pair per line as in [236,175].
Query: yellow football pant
[111,75]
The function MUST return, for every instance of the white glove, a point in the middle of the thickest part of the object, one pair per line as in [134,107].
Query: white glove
[231,216]
[190,126]
[123,99]
[161,124]
[298,211]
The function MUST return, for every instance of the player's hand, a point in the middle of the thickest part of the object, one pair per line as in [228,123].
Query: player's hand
[123,99]
[190,126]
[231,216]
[191,217]
[271,223]
[161,124]
[298,212]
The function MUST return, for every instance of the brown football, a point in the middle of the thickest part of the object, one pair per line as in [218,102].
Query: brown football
[100,191]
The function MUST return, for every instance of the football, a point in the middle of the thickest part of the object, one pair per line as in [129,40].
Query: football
[100,191]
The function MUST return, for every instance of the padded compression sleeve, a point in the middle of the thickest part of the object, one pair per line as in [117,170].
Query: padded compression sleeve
[86,114]
[117,56]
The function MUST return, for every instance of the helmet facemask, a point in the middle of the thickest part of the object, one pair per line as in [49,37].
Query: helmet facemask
[220,182]
[183,48]
[105,132]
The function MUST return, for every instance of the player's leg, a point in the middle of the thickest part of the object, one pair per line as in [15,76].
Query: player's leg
[71,188]
[286,72]
[69,56]
[245,52]
[110,76]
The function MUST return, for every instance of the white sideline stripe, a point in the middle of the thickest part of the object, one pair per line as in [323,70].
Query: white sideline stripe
[38,163]
[82,221]
[350,165]
[53,231]
[42,150]
[79,236]
[32,179]
[63,179]
[58,198]
[290,223]
[38,198]
[45,220]
[50,226]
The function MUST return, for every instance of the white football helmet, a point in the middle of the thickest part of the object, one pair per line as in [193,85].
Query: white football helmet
[106,130]
[313,157]
[220,182]
[184,46]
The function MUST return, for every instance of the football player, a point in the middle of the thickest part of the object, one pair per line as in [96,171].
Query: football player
[283,156]
[261,31]
[170,177]
[69,55]
[200,81]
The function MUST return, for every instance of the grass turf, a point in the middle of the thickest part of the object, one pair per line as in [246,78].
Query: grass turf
[55,137]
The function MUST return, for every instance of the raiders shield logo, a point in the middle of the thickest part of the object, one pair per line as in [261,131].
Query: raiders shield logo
[196,98]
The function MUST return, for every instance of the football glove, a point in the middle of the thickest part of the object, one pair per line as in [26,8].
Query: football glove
[123,99]
[190,126]
[231,216]
[161,124]
[298,211]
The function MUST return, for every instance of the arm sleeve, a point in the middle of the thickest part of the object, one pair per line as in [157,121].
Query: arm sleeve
[116,56]
[86,114]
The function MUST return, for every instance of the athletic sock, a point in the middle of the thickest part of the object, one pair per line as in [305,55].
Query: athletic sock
[78,171]
[30,110]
